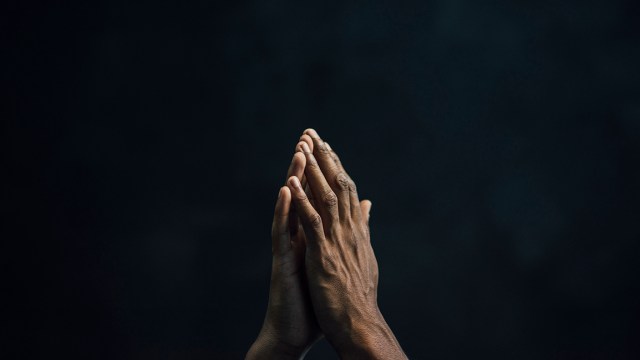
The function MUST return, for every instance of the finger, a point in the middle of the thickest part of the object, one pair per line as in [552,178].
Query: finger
[335,157]
[324,158]
[356,211]
[280,239]
[296,168]
[307,190]
[365,207]
[334,173]
[306,138]
[310,219]
[347,188]
[342,184]
[301,176]
[326,200]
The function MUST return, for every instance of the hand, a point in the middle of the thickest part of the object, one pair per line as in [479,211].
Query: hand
[290,327]
[341,267]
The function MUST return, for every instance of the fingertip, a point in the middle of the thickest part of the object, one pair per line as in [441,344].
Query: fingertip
[285,194]
[298,160]
[306,138]
[312,133]
[283,202]
[366,205]
[294,184]
[305,147]
[319,144]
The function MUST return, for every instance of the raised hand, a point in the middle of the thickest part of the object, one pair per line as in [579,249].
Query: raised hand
[341,267]
[290,327]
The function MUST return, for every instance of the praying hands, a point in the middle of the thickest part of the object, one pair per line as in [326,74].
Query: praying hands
[324,276]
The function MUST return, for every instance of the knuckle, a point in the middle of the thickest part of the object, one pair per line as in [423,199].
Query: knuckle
[352,186]
[328,262]
[312,163]
[315,221]
[312,200]
[342,181]
[322,149]
[301,196]
[329,199]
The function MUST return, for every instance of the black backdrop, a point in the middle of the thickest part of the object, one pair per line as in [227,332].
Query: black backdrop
[145,143]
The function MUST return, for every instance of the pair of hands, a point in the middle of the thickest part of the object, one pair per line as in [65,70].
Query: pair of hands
[324,277]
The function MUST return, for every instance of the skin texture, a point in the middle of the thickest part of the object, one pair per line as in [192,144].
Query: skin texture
[324,272]
[341,267]
[290,327]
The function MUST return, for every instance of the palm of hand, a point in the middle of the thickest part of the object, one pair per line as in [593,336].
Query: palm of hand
[290,319]
[290,314]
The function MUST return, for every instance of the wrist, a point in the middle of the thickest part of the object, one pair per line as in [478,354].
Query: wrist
[368,337]
[268,346]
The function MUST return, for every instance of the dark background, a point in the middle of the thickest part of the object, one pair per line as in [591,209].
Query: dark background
[144,144]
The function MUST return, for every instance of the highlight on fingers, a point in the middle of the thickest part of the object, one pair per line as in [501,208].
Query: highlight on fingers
[326,200]
[332,173]
[295,186]
[324,158]
[297,165]
[283,203]
[311,220]
[344,183]
[311,133]
[318,143]
[335,157]
[306,138]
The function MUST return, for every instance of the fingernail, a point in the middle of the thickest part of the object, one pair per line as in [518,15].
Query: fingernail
[328,146]
[295,183]
[305,147]
[299,146]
